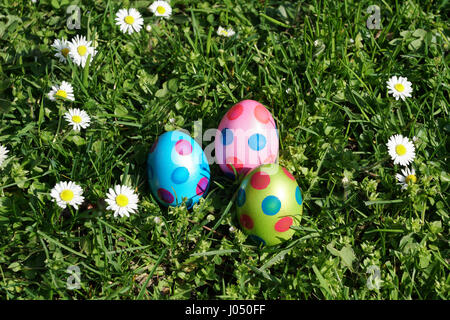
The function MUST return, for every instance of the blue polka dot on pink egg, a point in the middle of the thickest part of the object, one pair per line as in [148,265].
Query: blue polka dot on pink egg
[227,136]
[257,142]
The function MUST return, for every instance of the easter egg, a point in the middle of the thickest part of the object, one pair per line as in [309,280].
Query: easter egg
[246,138]
[177,169]
[269,202]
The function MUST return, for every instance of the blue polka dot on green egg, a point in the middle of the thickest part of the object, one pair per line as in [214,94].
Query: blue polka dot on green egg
[269,201]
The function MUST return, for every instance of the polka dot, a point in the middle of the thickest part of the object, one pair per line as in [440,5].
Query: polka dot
[283,224]
[298,196]
[235,112]
[183,147]
[257,142]
[271,205]
[262,114]
[165,195]
[241,197]
[238,164]
[256,239]
[260,180]
[246,221]
[290,176]
[180,175]
[202,185]
[227,136]
[154,145]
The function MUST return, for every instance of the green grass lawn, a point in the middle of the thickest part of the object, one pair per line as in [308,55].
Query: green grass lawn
[320,71]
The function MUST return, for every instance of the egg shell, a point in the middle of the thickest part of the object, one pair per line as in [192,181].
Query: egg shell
[269,202]
[246,138]
[177,168]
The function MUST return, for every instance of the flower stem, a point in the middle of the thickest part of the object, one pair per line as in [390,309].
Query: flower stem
[86,71]
[59,120]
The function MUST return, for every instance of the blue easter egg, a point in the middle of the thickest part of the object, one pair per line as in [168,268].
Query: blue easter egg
[178,169]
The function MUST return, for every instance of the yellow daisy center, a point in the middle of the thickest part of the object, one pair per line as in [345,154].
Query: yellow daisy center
[66,195]
[400,150]
[76,119]
[161,10]
[399,87]
[65,52]
[411,178]
[121,200]
[82,50]
[129,20]
[61,93]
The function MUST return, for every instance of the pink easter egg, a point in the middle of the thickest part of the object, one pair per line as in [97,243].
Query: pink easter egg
[246,138]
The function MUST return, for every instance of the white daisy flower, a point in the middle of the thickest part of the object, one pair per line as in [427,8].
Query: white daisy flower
[225,32]
[63,91]
[77,118]
[62,49]
[148,28]
[122,200]
[3,154]
[161,9]
[67,193]
[399,87]
[80,49]
[401,150]
[406,177]
[129,20]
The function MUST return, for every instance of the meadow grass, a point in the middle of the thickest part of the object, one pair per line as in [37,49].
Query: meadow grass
[319,70]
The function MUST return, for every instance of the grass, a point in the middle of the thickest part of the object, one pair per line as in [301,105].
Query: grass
[328,95]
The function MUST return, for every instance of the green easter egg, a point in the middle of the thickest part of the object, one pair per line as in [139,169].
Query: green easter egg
[269,202]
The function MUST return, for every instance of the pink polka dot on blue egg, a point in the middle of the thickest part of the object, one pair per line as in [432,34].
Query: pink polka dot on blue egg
[177,169]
